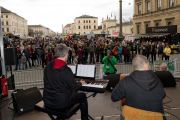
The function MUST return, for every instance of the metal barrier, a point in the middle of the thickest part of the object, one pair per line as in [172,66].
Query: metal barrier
[28,78]
[34,77]
[173,66]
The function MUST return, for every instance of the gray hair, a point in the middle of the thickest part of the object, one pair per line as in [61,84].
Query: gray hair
[61,50]
[139,61]
[163,67]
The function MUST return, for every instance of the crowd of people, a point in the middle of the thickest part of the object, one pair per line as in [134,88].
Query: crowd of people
[61,89]
[40,51]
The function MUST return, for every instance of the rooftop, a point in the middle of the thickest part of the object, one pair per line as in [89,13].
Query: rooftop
[86,16]
[68,25]
[4,10]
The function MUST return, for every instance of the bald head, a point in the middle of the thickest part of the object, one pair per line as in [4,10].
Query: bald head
[140,62]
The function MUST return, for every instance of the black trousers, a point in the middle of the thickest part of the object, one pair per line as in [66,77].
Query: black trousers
[166,57]
[113,81]
[82,100]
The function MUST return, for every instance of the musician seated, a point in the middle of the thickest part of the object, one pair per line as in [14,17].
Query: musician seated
[60,88]
[142,89]
[166,76]
[163,67]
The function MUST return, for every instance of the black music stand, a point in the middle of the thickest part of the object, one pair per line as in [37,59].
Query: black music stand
[80,73]
[94,95]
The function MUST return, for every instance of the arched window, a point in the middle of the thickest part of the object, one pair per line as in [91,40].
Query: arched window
[169,23]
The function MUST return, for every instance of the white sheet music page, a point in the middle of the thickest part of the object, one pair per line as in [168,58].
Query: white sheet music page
[86,71]
[73,68]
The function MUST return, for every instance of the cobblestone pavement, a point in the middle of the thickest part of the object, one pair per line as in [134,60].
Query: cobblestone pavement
[101,105]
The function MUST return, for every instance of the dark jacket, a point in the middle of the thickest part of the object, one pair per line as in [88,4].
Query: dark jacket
[59,85]
[142,90]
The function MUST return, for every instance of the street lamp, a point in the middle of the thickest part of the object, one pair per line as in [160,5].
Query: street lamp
[120,21]
[2,48]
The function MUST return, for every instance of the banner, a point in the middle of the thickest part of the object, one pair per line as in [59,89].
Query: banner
[162,29]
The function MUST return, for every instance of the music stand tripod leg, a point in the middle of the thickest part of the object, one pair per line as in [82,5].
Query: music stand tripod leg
[91,117]
[102,118]
[91,95]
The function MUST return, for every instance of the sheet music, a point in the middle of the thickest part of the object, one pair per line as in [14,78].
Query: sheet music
[86,71]
[93,85]
[73,68]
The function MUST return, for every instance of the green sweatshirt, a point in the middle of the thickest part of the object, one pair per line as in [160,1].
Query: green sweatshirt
[107,67]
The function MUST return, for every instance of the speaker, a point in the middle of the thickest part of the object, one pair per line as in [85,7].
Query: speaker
[25,100]
[10,55]
[0,89]
[113,81]
[11,83]
[166,78]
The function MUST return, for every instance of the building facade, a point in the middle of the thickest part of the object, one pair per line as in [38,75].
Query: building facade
[110,27]
[106,24]
[82,25]
[13,23]
[85,24]
[40,31]
[156,16]
[69,29]
[127,29]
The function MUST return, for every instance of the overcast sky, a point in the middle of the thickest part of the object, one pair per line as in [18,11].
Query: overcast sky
[55,13]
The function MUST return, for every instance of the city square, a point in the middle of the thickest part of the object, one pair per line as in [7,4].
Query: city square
[90,60]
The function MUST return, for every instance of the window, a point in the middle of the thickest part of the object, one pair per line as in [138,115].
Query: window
[86,27]
[79,27]
[148,6]
[169,23]
[157,24]
[159,4]
[86,21]
[104,26]
[3,29]
[79,21]
[139,9]
[7,29]
[94,27]
[89,21]
[2,23]
[94,21]
[6,16]
[138,28]
[89,27]
[146,26]
[171,3]
[7,23]
[1,16]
